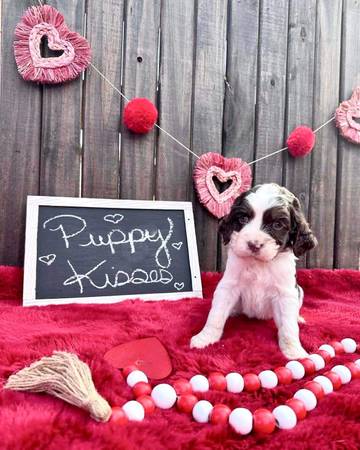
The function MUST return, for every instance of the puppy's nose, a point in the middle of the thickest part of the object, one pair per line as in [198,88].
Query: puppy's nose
[254,246]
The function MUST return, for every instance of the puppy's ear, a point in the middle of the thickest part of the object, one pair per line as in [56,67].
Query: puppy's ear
[226,227]
[301,236]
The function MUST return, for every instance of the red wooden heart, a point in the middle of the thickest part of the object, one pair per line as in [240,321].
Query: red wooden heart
[212,165]
[345,115]
[148,354]
[40,21]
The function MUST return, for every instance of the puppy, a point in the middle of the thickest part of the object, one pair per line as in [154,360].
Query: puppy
[265,232]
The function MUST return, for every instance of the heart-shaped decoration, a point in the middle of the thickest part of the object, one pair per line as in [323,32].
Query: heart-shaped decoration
[41,22]
[48,259]
[148,354]
[114,218]
[179,286]
[232,171]
[345,116]
[177,245]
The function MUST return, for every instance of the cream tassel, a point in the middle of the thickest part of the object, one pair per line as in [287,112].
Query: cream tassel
[65,376]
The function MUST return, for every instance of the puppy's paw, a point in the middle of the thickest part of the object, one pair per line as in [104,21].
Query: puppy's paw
[294,352]
[203,339]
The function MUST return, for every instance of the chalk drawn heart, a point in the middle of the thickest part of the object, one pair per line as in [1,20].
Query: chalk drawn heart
[227,170]
[177,245]
[48,259]
[114,218]
[45,21]
[179,286]
[345,116]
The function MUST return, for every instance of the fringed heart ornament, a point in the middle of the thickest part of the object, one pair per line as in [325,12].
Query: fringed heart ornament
[38,23]
[232,171]
[345,116]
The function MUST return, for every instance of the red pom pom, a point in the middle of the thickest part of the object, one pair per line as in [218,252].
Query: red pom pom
[301,141]
[140,115]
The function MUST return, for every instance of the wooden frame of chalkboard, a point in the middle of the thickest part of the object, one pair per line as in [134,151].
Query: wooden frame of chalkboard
[64,248]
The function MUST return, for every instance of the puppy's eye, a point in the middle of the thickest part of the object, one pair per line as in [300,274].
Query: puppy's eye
[243,220]
[277,226]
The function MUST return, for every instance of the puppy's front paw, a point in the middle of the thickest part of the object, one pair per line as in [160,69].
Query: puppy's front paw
[203,339]
[294,353]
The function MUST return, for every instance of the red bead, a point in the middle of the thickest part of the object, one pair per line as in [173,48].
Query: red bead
[217,381]
[334,378]
[298,407]
[251,382]
[338,347]
[118,416]
[309,366]
[284,375]
[325,355]
[185,403]
[141,388]
[182,387]
[264,421]
[315,388]
[220,414]
[128,369]
[147,402]
[354,369]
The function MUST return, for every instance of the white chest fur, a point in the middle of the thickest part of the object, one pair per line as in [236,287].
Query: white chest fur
[261,283]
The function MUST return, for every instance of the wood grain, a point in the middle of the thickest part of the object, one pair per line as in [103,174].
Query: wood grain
[208,110]
[20,125]
[271,89]
[61,121]
[175,103]
[324,158]
[140,80]
[300,76]
[102,105]
[347,238]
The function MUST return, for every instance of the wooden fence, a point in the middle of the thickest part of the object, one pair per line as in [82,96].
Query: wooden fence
[230,76]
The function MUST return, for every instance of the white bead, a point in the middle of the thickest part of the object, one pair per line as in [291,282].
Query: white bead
[199,383]
[268,379]
[357,362]
[317,360]
[134,410]
[297,369]
[136,376]
[285,417]
[328,349]
[241,420]
[325,383]
[343,372]
[307,397]
[201,411]
[234,382]
[349,345]
[164,396]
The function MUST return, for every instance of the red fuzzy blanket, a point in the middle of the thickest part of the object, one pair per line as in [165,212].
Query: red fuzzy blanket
[33,421]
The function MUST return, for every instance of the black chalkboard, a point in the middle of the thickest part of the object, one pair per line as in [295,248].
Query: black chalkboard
[87,252]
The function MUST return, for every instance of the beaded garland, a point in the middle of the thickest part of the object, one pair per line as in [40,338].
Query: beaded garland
[241,420]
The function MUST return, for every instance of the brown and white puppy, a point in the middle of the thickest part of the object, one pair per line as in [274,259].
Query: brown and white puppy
[265,232]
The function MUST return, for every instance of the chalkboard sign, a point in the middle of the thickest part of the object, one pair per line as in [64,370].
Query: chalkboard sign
[102,251]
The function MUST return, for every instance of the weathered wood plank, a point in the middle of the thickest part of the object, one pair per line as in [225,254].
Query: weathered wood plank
[347,237]
[208,109]
[61,121]
[140,80]
[300,80]
[102,105]
[20,122]
[271,89]
[240,89]
[176,69]
[324,158]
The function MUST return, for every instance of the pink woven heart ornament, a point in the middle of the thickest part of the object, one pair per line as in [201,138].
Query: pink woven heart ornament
[40,21]
[234,170]
[345,116]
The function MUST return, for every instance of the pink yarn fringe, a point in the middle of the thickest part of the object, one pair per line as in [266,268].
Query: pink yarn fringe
[51,71]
